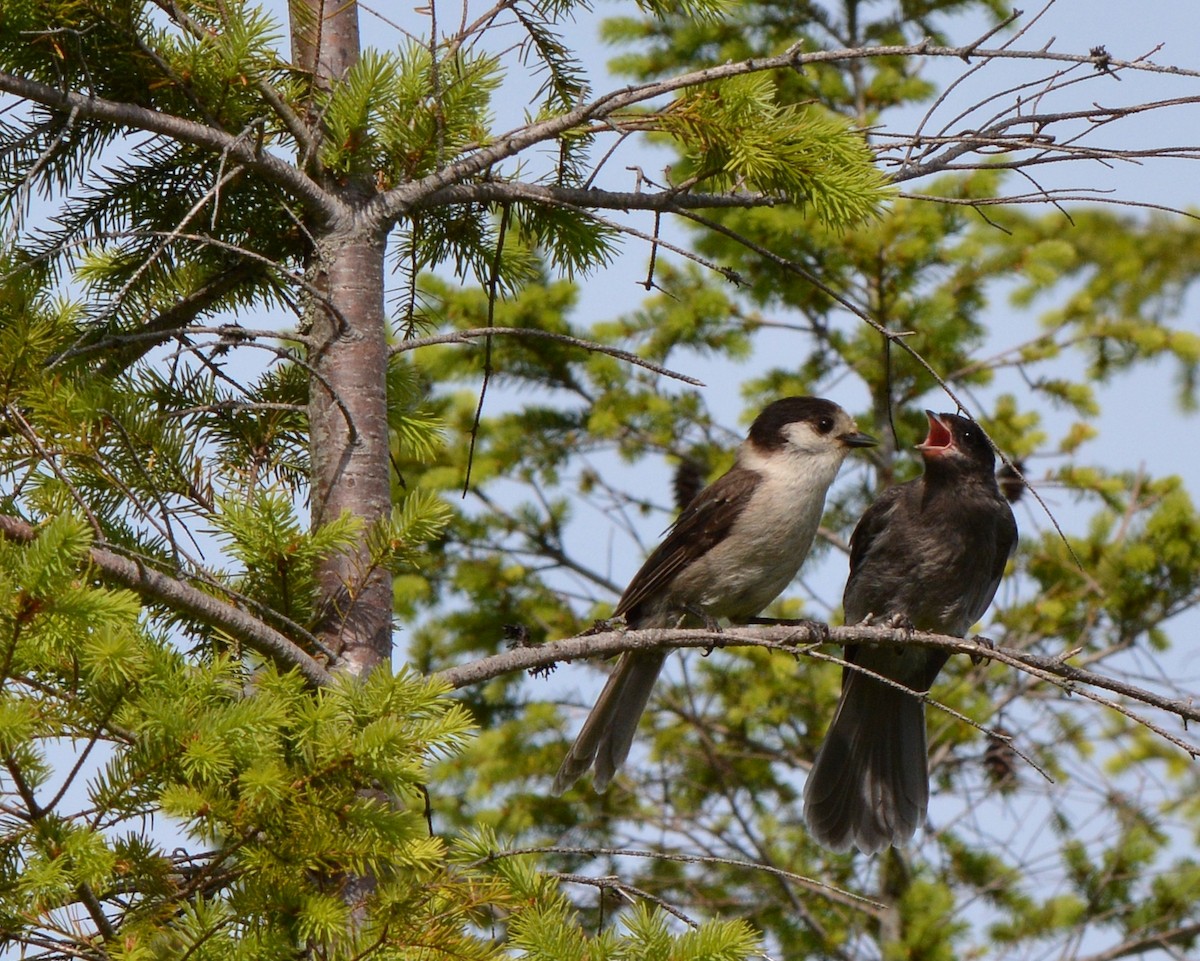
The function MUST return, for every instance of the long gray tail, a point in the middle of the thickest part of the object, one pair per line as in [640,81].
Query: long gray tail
[869,784]
[608,732]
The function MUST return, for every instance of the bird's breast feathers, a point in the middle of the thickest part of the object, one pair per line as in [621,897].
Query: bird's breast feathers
[763,549]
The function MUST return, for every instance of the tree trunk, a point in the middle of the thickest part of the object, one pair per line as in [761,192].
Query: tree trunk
[348,383]
[349,442]
[325,40]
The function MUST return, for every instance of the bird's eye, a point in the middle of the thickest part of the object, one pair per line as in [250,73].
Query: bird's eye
[825,425]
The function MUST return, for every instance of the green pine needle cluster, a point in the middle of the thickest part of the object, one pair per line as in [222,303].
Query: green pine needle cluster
[382,122]
[700,11]
[543,925]
[287,796]
[735,133]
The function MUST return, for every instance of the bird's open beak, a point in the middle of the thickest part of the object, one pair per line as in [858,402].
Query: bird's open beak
[858,439]
[940,439]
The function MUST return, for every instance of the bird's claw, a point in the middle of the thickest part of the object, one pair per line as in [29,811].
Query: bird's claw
[818,631]
[897,622]
[987,644]
[710,623]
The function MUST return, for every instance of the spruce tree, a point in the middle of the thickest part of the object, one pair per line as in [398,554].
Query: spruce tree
[244,263]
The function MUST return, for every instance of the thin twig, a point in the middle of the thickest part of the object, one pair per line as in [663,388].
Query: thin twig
[625,889]
[833,892]
[474,333]
[492,293]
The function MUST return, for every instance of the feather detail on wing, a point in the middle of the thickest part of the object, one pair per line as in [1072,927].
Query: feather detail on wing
[873,522]
[1005,543]
[704,523]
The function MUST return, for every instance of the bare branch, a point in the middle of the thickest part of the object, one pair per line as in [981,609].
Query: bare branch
[996,136]
[466,336]
[834,893]
[1042,197]
[803,639]
[447,185]
[400,200]
[1183,935]
[240,149]
[666,201]
[627,891]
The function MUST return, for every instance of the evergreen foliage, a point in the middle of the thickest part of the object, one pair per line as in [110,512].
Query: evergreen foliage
[176,784]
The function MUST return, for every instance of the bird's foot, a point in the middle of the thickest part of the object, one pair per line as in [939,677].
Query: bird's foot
[711,624]
[818,631]
[900,622]
[987,644]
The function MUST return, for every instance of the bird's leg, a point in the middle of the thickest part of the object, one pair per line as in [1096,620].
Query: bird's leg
[710,623]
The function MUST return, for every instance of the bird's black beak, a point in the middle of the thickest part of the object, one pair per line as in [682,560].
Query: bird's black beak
[858,439]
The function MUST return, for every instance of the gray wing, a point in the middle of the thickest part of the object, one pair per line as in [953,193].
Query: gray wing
[871,526]
[704,523]
[1004,542]
[608,732]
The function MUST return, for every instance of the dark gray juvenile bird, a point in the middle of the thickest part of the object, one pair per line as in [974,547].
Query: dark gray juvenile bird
[731,552]
[929,553]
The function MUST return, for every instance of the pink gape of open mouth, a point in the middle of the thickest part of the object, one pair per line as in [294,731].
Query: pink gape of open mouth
[939,440]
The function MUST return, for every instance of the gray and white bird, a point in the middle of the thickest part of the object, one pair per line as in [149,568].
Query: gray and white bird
[929,553]
[730,553]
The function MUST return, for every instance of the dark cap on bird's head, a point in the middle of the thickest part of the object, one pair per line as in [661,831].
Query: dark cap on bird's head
[825,417]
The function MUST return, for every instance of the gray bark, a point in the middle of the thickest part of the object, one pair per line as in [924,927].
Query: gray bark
[349,442]
[348,358]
